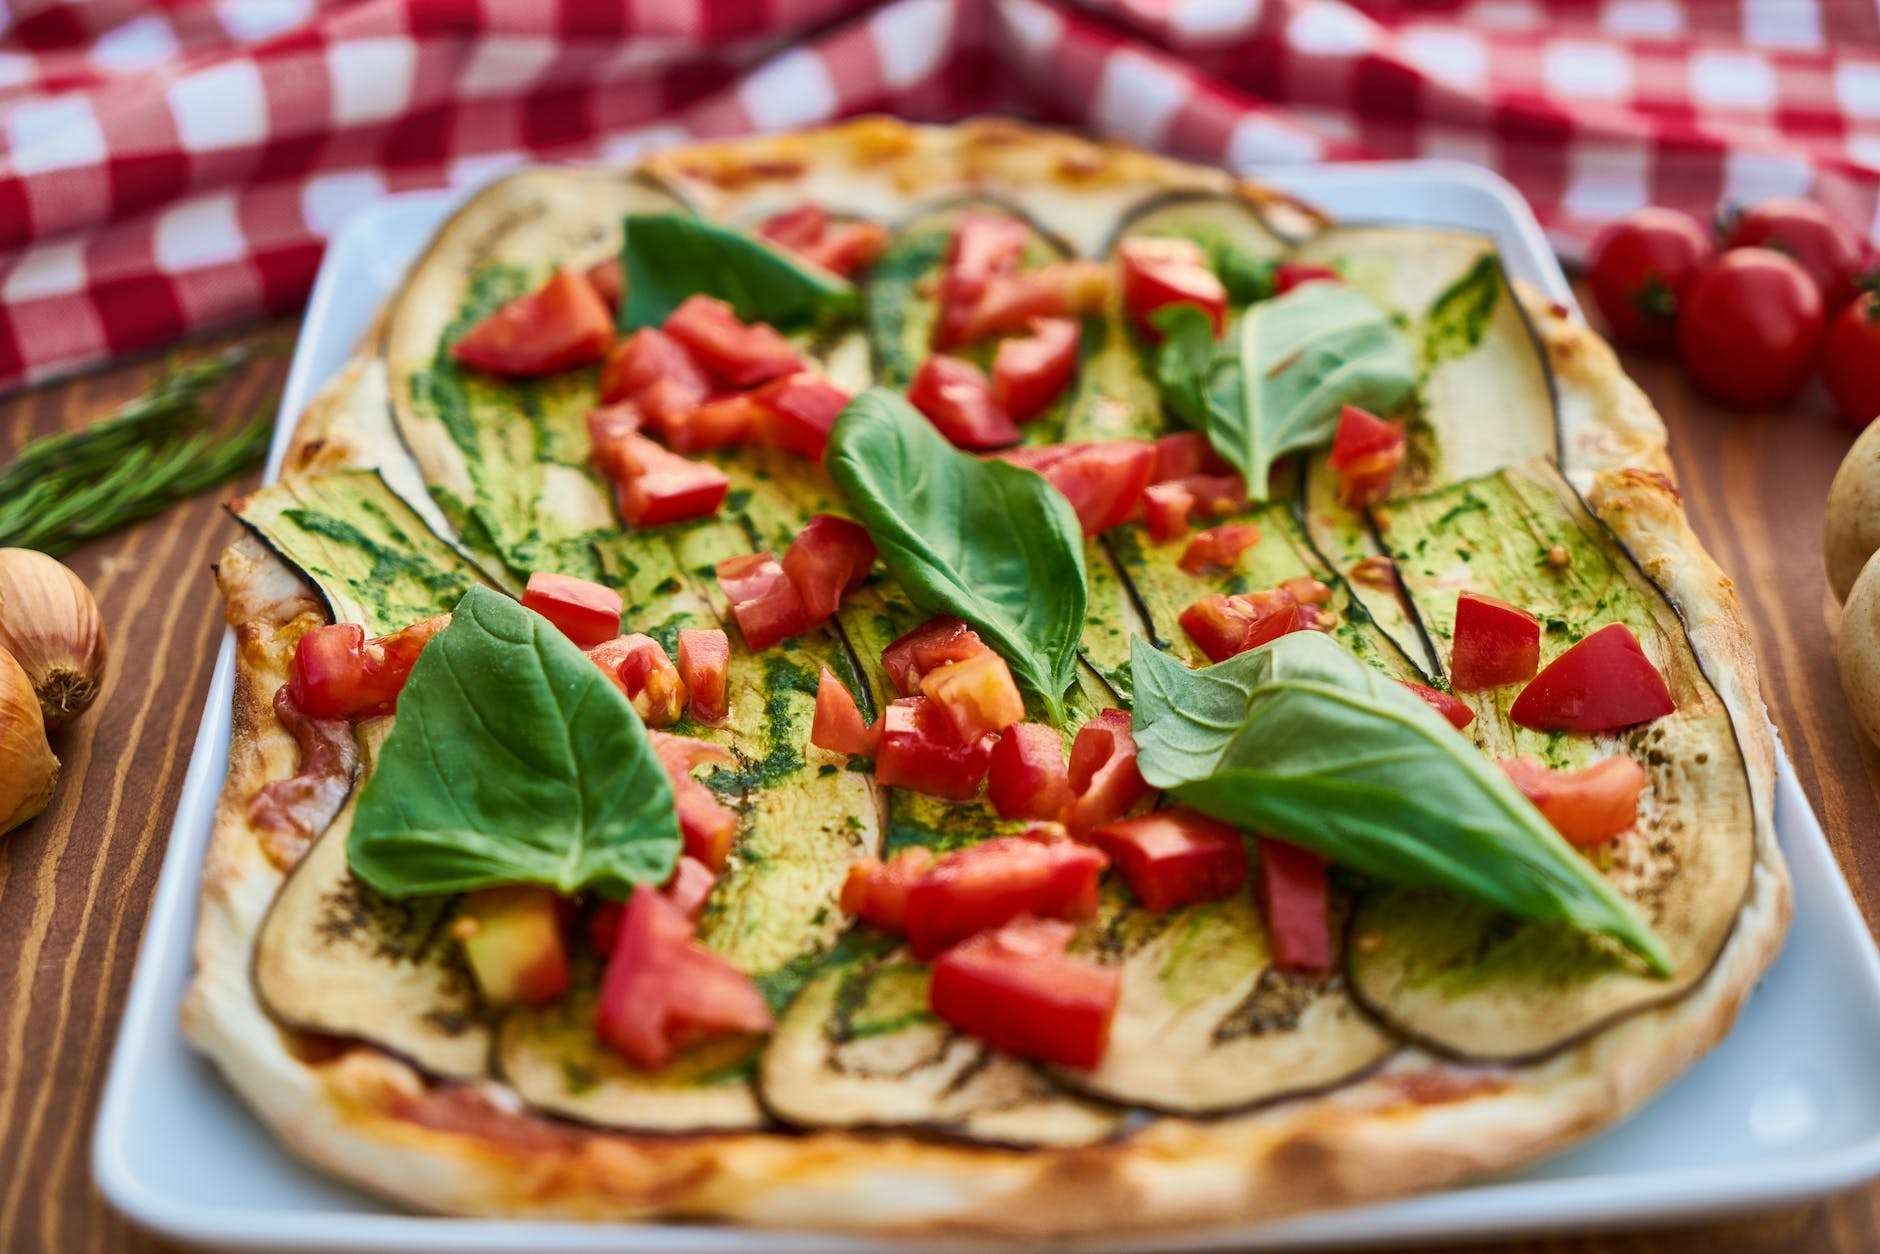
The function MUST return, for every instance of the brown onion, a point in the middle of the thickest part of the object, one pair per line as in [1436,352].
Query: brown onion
[28,771]
[50,624]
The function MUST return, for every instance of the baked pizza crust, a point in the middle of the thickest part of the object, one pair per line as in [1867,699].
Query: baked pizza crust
[1419,1123]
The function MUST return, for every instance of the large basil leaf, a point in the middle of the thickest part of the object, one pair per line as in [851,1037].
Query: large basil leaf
[985,540]
[513,761]
[1300,739]
[667,257]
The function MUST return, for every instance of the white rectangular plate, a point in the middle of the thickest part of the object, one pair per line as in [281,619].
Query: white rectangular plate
[1787,1107]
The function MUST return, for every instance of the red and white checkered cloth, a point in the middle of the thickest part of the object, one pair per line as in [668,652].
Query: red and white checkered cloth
[168,167]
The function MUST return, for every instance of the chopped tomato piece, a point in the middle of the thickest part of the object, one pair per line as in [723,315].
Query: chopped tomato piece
[584,611]
[1290,274]
[1103,482]
[1495,643]
[707,826]
[1219,548]
[1162,272]
[649,356]
[1445,704]
[338,673]
[986,886]
[645,675]
[978,695]
[608,428]
[1027,777]
[983,246]
[560,325]
[1175,857]
[829,557]
[1589,806]
[689,885]
[876,891]
[662,989]
[1306,590]
[1017,990]
[1366,452]
[1104,778]
[1227,625]
[1185,454]
[763,600]
[1166,507]
[705,667]
[1029,373]
[664,487]
[1013,302]
[935,643]
[1602,683]
[838,726]
[800,409]
[957,398]
[720,423]
[608,281]
[919,750]
[512,941]
[1297,902]
[737,354]
[848,248]
[795,229]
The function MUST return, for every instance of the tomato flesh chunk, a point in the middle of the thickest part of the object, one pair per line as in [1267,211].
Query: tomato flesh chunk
[977,694]
[1366,452]
[957,398]
[983,246]
[1017,990]
[644,675]
[829,557]
[919,750]
[1457,712]
[608,280]
[985,886]
[1175,857]
[512,942]
[721,423]
[1105,781]
[1588,806]
[838,725]
[560,325]
[1026,776]
[1495,643]
[935,643]
[1029,373]
[1297,903]
[689,886]
[1011,303]
[763,600]
[586,612]
[736,353]
[876,891]
[339,674]
[1158,273]
[1104,482]
[1223,626]
[838,247]
[1291,274]
[706,825]
[1187,453]
[647,357]
[663,990]
[1600,684]
[800,410]
[705,668]
[663,487]
[608,427]
[1219,548]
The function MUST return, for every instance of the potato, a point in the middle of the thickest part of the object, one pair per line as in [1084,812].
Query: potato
[1852,532]
[1859,649]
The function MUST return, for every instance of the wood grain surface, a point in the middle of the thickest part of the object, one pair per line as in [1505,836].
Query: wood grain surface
[75,884]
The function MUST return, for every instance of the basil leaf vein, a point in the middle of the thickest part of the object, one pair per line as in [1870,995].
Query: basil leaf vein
[667,257]
[513,761]
[1300,739]
[992,543]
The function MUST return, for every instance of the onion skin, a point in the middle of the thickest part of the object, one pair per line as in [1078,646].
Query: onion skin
[28,771]
[50,624]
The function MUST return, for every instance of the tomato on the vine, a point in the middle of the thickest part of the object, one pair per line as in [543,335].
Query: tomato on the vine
[1818,241]
[1639,267]
[1850,360]
[1750,328]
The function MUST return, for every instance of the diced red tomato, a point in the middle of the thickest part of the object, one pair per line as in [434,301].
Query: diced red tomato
[935,643]
[800,411]
[663,487]
[608,281]
[763,600]
[977,694]
[848,248]
[957,398]
[1589,806]
[608,428]
[339,674]
[983,245]
[603,924]
[662,989]
[1029,373]
[1104,482]
[1495,643]
[512,942]
[1013,302]
[1290,274]
[1162,272]
[737,354]
[645,675]
[795,229]
[1366,452]
[1027,777]
[1105,782]
[1602,683]
[705,667]
[1175,857]
[689,885]
[1306,590]
[919,750]
[706,825]
[1458,714]
[1219,548]
[649,356]
[986,886]
[1017,990]
[876,891]
[829,557]
[560,325]
[1186,454]
[1297,903]
[1166,507]
[584,611]
[1227,625]
[721,423]
[838,725]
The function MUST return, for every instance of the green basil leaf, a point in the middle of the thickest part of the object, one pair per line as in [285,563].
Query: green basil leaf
[984,540]
[1300,739]
[1458,318]
[1186,364]
[667,257]
[513,761]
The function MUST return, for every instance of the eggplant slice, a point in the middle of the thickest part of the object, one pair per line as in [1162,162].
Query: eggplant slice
[1474,983]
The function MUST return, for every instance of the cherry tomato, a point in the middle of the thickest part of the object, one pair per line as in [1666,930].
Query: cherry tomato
[1850,360]
[1818,241]
[1639,267]
[1750,328]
